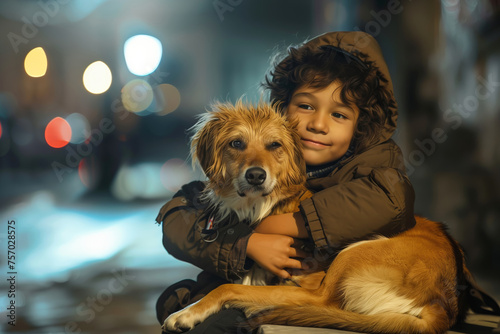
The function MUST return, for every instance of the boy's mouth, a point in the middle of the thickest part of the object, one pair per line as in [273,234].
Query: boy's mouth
[313,143]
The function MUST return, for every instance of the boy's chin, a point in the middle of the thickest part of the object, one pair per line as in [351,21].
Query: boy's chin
[318,159]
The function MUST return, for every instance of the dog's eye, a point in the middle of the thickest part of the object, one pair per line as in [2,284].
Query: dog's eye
[238,144]
[275,145]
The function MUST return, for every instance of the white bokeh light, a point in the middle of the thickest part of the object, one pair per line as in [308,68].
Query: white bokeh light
[142,54]
[97,77]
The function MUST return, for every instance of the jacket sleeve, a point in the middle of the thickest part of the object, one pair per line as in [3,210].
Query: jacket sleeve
[375,201]
[183,217]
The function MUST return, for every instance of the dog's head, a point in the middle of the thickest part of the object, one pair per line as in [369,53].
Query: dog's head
[248,151]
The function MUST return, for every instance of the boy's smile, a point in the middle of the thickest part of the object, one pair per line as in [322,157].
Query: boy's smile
[326,125]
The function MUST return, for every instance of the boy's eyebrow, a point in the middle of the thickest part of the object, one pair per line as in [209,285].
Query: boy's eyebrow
[340,104]
[303,93]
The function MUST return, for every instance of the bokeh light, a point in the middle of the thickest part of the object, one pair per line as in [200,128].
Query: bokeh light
[120,188]
[174,174]
[142,180]
[131,182]
[97,77]
[80,128]
[88,172]
[168,98]
[35,63]
[58,133]
[142,54]
[137,95]
[5,141]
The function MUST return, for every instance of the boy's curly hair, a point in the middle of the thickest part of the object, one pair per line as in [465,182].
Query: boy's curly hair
[359,79]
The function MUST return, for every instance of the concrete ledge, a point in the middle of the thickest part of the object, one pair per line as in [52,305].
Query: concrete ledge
[474,324]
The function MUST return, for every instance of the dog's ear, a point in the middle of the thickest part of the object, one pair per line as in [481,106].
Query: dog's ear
[205,144]
[202,147]
[297,173]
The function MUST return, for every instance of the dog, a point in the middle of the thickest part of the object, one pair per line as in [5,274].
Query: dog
[415,282]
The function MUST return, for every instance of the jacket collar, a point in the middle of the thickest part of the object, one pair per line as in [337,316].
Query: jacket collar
[325,170]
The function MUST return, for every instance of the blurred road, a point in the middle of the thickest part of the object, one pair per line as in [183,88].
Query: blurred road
[90,266]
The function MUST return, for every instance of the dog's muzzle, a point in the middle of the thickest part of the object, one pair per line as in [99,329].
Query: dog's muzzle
[255,176]
[254,182]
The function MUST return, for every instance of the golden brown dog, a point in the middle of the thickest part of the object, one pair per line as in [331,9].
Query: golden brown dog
[252,161]
[415,282]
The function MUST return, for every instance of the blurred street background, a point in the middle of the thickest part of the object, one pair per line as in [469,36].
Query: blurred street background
[96,97]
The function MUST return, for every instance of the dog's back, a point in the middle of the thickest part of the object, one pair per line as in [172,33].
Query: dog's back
[413,276]
[414,282]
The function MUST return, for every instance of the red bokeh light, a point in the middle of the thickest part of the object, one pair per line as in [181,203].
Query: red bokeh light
[58,132]
[88,172]
[0,130]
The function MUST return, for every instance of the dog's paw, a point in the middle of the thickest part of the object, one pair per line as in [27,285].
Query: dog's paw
[180,321]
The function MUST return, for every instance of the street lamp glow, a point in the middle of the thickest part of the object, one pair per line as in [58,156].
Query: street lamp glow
[35,63]
[97,77]
[142,54]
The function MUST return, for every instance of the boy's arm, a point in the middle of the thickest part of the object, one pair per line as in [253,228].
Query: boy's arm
[375,201]
[290,224]
[183,221]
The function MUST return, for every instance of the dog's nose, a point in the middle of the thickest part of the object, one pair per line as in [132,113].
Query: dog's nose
[255,176]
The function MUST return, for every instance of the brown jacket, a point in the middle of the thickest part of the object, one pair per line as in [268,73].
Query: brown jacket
[369,193]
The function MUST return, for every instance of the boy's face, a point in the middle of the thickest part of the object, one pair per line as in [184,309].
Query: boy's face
[326,125]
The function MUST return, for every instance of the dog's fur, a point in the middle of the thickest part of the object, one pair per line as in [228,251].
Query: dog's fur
[414,282]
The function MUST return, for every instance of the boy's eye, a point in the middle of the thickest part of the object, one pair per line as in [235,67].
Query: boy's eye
[305,106]
[338,115]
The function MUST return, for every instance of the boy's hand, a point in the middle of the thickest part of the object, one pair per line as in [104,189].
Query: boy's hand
[275,252]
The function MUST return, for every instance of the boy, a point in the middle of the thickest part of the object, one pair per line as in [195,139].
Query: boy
[338,87]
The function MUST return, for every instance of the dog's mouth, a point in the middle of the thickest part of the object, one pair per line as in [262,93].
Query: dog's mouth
[253,191]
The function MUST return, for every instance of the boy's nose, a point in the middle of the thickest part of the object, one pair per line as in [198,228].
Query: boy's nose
[318,123]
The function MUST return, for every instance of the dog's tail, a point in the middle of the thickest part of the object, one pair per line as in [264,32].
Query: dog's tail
[470,295]
[477,299]
[433,319]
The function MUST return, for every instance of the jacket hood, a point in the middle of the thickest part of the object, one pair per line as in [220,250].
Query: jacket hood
[360,46]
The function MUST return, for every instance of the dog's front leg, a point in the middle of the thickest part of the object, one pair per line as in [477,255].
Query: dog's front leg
[251,299]
[187,318]
[195,313]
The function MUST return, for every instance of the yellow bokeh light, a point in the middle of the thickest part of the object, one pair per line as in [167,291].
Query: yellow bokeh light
[97,77]
[35,63]
[137,95]
[168,98]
